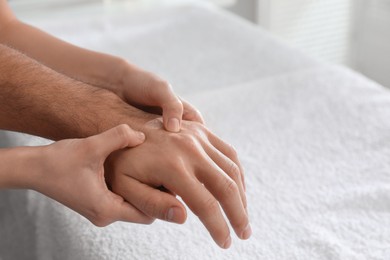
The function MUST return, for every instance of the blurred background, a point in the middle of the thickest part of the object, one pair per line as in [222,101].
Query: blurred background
[355,33]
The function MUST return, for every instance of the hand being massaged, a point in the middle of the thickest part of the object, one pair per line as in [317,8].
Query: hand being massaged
[193,164]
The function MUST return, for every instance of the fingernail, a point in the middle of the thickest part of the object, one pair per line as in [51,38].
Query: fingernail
[227,243]
[172,213]
[247,232]
[174,124]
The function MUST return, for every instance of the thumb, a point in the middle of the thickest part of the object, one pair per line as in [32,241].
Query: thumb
[172,114]
[116,138]
[172,107]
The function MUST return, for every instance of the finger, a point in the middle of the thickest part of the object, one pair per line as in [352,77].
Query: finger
[172,114]
[127,212]
[163,96]
[226,191]
[154,202]
[116,138]
[205,206]
[230,168]
[190,113]
[162,188]
[229,151]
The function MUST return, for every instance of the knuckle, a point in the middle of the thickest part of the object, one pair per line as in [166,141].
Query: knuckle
[199,130]
[188,141]
[174,104]
[163,83]
[230,187]
[163,86]
[195,114]
[100,216]
[123,130]
[197,127]
[176,101]
[234,170]
[101,220]
[151,206]
[177,165]
[211,205]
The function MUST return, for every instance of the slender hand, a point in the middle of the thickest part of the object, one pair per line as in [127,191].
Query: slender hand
[194,164]
[71,172]
[134,85]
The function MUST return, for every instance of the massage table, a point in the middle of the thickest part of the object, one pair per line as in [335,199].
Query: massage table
[314,139]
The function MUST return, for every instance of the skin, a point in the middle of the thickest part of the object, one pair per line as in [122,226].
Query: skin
[213,168]
[57,99]
[132,84]
[72,172]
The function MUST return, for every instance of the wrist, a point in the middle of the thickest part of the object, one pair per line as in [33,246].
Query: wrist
[21,167]
[115,75]
[126,77]
[106,72]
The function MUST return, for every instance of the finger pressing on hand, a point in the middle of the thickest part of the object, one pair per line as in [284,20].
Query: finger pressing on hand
[117,138]
[172,114]
[154,202]
[164,97]
[191,113]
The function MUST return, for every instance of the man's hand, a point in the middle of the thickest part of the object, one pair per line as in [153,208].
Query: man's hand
[72,173]
[194,164]
[150,93]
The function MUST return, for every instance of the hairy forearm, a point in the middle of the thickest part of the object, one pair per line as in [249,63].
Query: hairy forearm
[98,69]
[37,100]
